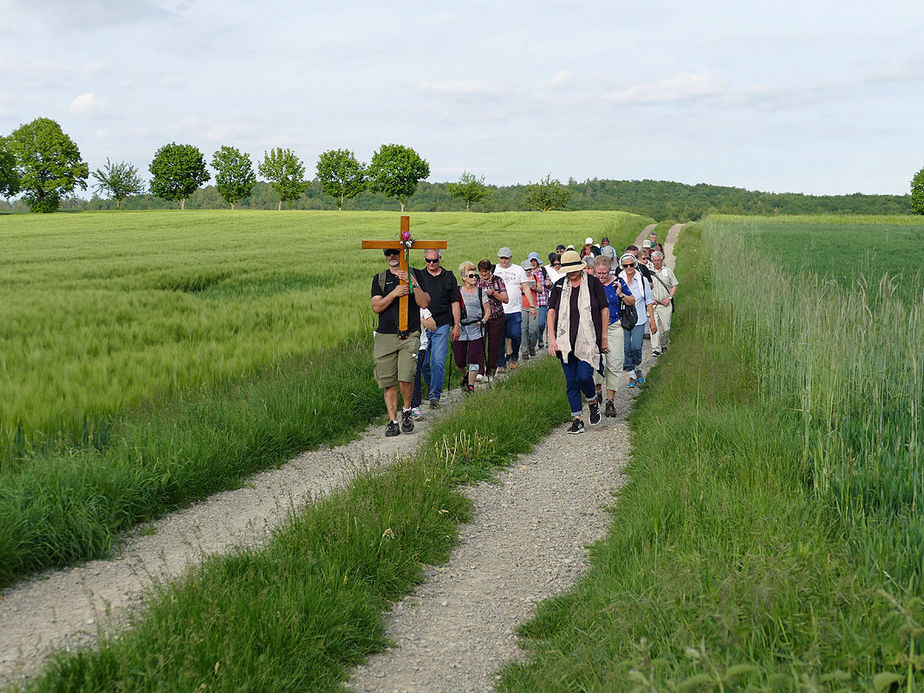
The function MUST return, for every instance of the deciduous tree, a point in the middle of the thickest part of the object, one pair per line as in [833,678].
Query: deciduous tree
[341,175]
[177,172]
[9,176]
[234,176]
[48,164]
[118,181]
[917,192]
[395,171]
[547,194]
[286,173]
[469,188]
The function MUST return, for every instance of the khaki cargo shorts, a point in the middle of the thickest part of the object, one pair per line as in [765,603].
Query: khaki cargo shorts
[395,359]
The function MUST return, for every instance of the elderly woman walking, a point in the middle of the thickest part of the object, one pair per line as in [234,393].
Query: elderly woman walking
[640,297]
[615,289]
[577,321]
[468,349]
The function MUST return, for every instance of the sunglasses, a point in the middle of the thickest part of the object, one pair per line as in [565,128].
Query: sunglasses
[389,253]
[503,258]
[430,262]
[556,264]
[628,265]
[471,275]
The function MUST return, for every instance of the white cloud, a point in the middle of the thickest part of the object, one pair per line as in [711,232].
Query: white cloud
[681,87]
[459,87]
[561,77]
[86,104]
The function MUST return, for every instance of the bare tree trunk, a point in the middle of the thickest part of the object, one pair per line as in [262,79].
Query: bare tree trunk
[279,206]
[402,205]
[232,205]
[467,203]
[183,203]
[340,206]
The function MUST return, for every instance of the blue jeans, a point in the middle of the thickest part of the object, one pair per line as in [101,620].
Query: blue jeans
[579,377]
[633,346]
[513,326]
[436,358]
[543,314]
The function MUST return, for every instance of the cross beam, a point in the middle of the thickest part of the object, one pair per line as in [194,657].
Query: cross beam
[418,245]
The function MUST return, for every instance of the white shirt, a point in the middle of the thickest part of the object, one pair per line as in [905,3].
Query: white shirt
[641,289]
[513,277]
[425,314]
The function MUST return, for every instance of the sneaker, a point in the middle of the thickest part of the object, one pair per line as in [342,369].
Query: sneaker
[577,426]
[541,345]
[610,409]
[631,382]
[512,365]
[501,370]
[392,429]
[655,352]
[467,389]
[525,356]
[434,404]
[595,414]
[407,421]
[417,414]
[639,377]
[479,378]
[532,352]
[600,397]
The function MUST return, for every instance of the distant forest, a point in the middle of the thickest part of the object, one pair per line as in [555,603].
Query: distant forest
[661,200]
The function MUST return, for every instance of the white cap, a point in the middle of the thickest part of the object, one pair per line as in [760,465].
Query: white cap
[588,241]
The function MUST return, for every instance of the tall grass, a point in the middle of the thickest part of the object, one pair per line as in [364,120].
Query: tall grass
[294,614]
[769,537]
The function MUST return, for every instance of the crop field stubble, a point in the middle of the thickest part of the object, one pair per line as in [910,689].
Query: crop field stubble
[180,351]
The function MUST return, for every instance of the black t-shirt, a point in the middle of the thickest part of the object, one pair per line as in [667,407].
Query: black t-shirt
[444,291]
[598,302]
[388,318]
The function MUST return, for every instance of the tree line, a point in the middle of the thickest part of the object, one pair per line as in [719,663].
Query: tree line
[42,163]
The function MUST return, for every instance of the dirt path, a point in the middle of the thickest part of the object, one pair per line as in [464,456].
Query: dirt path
[65,608]
[526,543]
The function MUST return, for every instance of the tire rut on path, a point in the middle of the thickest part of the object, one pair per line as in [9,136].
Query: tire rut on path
[67,608]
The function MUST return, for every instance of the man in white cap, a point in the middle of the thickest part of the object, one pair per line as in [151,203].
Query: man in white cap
[517,286]
[663,287]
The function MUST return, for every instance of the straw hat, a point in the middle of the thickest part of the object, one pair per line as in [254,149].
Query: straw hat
[571,262]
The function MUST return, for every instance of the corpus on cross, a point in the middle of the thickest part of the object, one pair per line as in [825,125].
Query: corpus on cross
[406,243]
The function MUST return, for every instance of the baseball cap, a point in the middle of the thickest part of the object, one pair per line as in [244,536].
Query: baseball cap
[505,252]
[646,244]
[588,241]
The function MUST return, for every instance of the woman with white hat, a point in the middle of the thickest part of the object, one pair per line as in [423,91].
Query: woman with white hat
[577,319]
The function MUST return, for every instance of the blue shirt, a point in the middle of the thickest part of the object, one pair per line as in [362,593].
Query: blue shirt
[613,298]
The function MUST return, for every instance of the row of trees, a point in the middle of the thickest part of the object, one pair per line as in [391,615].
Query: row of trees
[40,160]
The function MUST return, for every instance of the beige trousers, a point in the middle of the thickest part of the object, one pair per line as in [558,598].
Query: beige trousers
[660,339]
[614,360]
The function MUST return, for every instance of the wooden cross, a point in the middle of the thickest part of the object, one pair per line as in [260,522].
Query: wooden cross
[403,302]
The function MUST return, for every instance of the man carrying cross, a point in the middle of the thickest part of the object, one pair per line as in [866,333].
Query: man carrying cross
[396,350]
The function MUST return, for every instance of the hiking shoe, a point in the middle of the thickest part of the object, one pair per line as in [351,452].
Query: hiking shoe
[407,421]
[639,377]
[595,414]
[392,429]
[610,409]
[416,413]
[600,397]
[434,404]
[577,426]
[532,352]
[631,382]
[655,352]
[524,356]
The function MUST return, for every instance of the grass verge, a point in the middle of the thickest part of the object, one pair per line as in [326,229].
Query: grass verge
[294,614]
[759,544]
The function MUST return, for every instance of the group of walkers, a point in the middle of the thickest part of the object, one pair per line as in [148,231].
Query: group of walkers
[589,309]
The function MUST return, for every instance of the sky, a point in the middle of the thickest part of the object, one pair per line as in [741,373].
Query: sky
[812,96]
